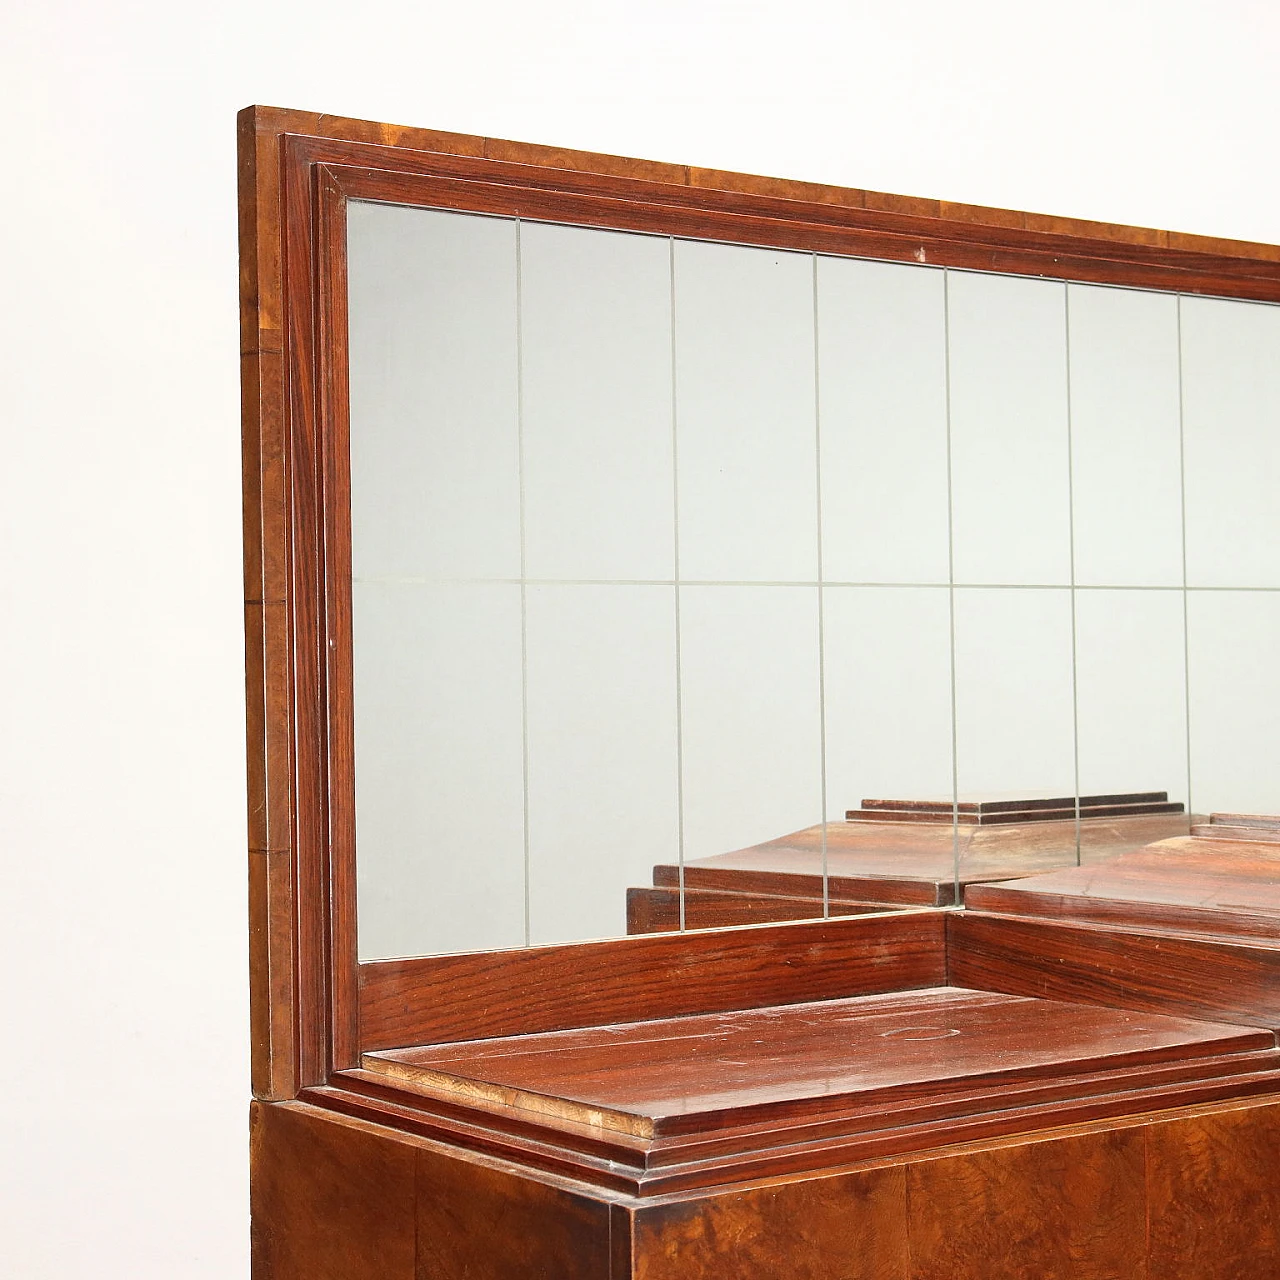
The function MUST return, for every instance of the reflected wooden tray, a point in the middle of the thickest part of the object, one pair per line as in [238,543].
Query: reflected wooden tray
[1222,881]
[901,853]
[700,1100]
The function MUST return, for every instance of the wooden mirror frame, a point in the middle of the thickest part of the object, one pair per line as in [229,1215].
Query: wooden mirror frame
[313,1006]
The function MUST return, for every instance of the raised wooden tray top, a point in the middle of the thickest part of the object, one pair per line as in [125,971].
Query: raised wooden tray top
[1223,881]
[685,1075]
[702,1099]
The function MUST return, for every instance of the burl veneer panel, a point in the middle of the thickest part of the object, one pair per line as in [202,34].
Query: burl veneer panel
[481,1223]
[849,1227]
[1067,1209]
[1200,885]
[332,1199]
[1214,1194]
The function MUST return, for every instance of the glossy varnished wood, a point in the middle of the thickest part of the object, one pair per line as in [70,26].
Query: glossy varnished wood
[443,998]
[702,1073]
[478,1220]
[851,1227]
[1234,981]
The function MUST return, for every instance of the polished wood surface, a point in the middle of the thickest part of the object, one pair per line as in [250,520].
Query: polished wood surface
[500,993]
[852,1226]
[696,1074]
[1200,885]
[330,1197]
[1235,981]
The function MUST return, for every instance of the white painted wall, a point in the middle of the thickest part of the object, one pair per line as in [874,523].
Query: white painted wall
[121,792]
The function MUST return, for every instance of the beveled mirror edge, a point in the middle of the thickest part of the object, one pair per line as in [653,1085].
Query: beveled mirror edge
[303,975]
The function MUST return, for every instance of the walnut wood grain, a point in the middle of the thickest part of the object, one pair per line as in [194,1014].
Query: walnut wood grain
[629,204]
[478,1221]
[270,122]
[442,998]
[1230,981]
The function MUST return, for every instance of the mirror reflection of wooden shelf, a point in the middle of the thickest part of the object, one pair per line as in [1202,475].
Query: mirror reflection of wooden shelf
[1221,881]
[896,853]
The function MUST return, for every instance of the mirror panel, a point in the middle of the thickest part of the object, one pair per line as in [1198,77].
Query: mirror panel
[596,396]
[603,781]
[1011,506]
[1231,415]
[1233,639]
[1131,691]
[882,399]
[1126,437]
[888,694]
[746,430]
[666,549]
[439,767]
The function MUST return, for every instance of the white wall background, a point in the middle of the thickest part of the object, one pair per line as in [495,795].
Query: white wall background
[121,792]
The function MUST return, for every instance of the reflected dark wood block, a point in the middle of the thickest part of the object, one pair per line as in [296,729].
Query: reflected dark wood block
[1023,806]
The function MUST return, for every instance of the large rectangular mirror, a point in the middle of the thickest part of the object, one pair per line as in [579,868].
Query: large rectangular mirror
[667,554]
